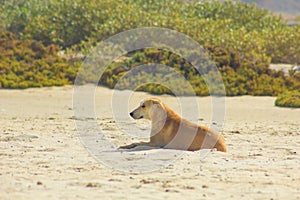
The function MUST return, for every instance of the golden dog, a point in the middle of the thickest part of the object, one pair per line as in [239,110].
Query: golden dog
[171,131]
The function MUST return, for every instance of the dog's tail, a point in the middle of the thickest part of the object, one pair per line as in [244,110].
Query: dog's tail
[220,145]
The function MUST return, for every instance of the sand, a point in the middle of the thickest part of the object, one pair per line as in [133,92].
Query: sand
[43,156]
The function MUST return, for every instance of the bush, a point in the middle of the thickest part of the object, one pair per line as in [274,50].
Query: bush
[241,45]
[238,80]
[28,63]
[289,99]
[63,23]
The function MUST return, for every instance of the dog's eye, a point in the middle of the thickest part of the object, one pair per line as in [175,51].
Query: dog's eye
[143,106]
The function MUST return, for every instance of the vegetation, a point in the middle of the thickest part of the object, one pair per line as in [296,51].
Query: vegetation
[242,46]
[28,63]
[289,99]
[239,78]
[81,24]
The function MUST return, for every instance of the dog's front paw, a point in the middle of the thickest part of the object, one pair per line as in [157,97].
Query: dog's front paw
[130,146]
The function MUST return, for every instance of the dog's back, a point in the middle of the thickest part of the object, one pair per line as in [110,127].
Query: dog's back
[201,137]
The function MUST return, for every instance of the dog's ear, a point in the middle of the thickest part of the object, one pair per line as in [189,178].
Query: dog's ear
[155,101]
[158,102]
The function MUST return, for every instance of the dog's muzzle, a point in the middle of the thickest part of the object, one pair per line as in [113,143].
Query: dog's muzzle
[132,115]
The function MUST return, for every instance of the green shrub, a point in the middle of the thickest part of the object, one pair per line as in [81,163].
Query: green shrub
[255,34]
[28,63]
[289,99]
[238,80]
[242,45]
[64,23]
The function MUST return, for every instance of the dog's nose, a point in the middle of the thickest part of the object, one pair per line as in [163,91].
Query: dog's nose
[131,114]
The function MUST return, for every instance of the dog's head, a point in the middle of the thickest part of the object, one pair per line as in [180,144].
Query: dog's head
[149,108]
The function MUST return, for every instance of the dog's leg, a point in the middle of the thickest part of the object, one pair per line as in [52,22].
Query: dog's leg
[133,145]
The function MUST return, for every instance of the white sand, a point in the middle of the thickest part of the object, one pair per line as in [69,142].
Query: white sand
[41,155]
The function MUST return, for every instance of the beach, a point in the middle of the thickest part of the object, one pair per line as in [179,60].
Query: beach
[42,155]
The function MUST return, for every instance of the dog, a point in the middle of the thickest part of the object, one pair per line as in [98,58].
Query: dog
[171,131]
